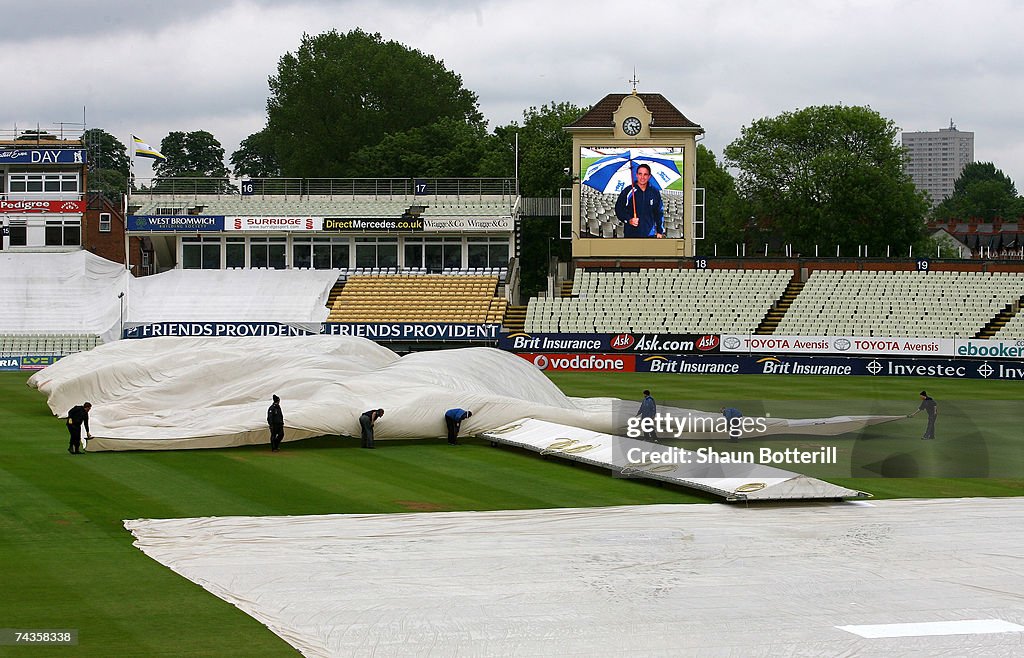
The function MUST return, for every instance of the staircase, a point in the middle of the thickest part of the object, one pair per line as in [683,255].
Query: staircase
[333,295]
[566,290]
[779,308]
[515,319]
[1002,317]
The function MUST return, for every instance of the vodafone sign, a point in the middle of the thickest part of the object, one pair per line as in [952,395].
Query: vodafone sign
[583,362]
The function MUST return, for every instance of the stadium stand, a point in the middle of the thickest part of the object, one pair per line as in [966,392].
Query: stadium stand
[660,300]
[352,207]
[891,304]
[1013,329]
[462,298]
[254,206]
[50,297]
[46,344]
[599,220]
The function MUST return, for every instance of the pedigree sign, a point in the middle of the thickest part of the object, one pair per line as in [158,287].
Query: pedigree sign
[34,206]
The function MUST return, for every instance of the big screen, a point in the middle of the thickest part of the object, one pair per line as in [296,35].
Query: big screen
[631,192]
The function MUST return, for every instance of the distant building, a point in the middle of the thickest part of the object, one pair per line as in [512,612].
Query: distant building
[936,159]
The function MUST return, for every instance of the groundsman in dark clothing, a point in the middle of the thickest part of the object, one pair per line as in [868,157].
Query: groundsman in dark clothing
[366,422]
[453,420]
[931,407]
[77,417]
[275,419]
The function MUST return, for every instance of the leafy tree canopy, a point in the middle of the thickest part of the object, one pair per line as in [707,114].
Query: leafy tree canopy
[545,148]
[723,216]
[196,153]
[109,165]
[981,191]
[447,148]
[341,92]
[106,151]
[828,175]
[255,157]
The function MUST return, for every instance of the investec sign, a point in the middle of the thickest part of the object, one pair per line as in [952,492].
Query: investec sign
[787,365]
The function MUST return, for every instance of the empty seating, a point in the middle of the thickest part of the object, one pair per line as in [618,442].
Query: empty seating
[894,304]
[45,344]
[462,298]
[661,300]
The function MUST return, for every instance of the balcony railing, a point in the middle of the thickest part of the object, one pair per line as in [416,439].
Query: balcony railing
[373,188]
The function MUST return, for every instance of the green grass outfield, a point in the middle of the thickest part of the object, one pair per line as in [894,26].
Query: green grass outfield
[67,562]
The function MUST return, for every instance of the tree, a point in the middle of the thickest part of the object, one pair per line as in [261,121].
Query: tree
[828,175]
[447,148]
[981,191]
[106,151]
[195,154]
[545,151]
[723,216]
[341,92]
[109,166]
[255,157]
[545,148]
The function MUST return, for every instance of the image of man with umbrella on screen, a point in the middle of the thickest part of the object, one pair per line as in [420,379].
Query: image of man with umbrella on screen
[640,208]
[636,178]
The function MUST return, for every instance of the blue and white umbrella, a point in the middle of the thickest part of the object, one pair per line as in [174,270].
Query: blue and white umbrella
[613,173]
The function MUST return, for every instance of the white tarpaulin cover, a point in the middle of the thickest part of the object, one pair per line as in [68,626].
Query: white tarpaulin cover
[175,393]
[894,577]
[231,295]
[71,293]
[638,458]
[77,292]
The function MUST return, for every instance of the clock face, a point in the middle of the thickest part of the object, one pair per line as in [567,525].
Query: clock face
[631,126]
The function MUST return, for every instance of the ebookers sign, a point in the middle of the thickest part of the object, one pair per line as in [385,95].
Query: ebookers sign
[838,345]
[991,349]
[584,362]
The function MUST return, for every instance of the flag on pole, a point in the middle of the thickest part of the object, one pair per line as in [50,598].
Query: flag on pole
[144,150]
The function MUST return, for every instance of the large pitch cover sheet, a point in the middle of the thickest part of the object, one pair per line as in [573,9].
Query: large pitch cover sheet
[195,392]
[661,580]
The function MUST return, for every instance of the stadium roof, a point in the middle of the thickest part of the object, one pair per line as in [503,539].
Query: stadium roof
[664,114]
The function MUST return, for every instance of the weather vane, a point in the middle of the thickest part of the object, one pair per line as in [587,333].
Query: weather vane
[634,81]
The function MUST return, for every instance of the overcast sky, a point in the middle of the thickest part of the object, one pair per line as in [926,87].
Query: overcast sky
[150,68]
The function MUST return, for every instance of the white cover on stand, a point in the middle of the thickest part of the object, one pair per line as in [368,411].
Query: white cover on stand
[231,295]
[66,293]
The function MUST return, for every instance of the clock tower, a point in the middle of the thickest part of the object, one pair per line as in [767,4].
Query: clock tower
[616,136]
